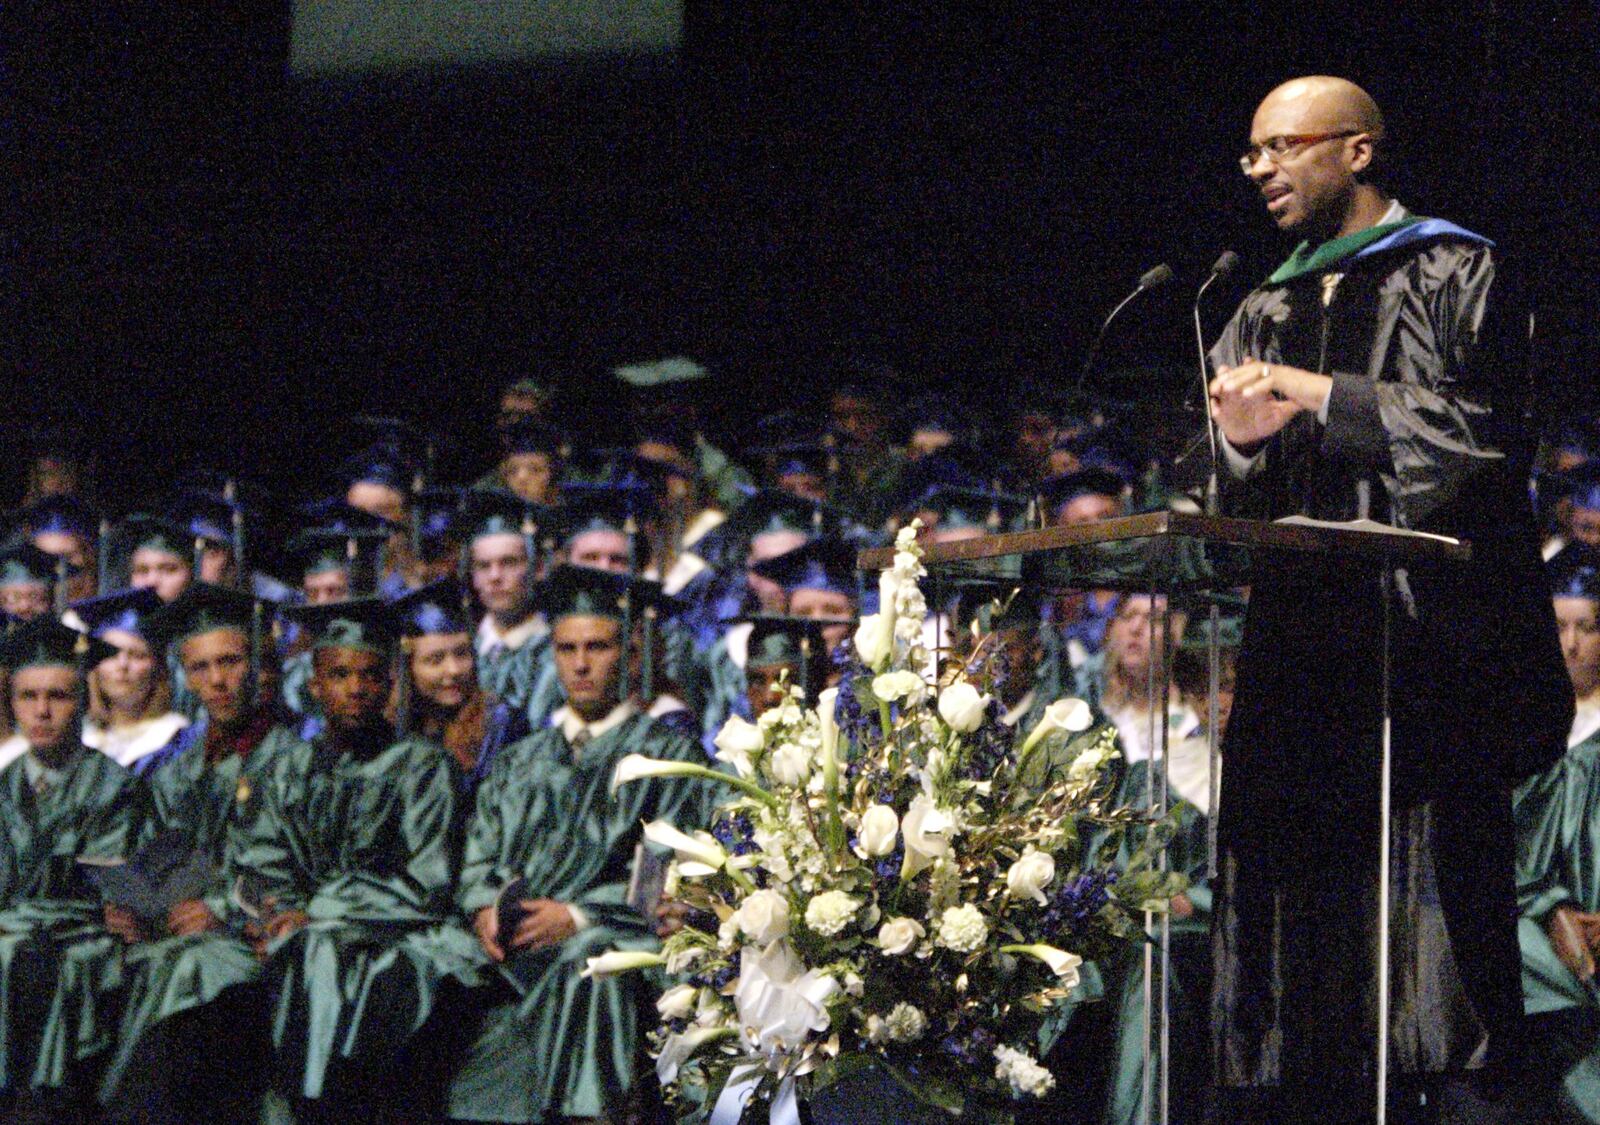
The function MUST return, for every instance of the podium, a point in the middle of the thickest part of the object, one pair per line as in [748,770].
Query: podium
[1168,554]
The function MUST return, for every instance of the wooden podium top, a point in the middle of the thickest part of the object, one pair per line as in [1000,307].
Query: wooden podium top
[1208,550]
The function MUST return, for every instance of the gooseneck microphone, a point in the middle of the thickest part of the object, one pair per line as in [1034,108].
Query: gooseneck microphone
[1223,265]
[1150,279]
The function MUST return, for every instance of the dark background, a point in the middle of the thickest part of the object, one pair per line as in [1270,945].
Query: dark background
[206,261]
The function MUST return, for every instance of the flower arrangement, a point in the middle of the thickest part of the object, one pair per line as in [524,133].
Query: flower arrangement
[897,880]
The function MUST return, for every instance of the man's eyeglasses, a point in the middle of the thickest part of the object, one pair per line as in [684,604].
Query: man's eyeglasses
[1278,149]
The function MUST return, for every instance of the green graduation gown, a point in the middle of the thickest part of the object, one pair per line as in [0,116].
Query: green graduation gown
[552,1042]
[513,674]
[362,843]
[210,804]
[1558,840]
[59,966]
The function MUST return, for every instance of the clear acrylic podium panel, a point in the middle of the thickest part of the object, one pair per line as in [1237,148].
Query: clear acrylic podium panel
[1177,554]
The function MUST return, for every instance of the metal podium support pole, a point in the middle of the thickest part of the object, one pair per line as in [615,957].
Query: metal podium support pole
[1158,928]
[1384,817]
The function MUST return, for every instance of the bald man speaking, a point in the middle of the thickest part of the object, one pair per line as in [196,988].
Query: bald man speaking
[1375,374]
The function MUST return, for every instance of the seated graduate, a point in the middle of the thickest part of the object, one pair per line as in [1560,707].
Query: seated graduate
[532,458]
[1558,884]
[504,538]
[817,580]
[443,700]
[155,553]
[336,558]
[130,695]
[27,582]
[180,1054]
[1028,681]
[549,856]
[784,652]
[380,480]
[67,528]
[349,863]
[59,964]
[1116,680]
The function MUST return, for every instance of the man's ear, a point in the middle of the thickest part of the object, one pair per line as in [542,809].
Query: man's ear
[1363,151]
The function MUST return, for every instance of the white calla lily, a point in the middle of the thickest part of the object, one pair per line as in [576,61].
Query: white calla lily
[615,961]
[1063,715]
[1063,964]
[699,854]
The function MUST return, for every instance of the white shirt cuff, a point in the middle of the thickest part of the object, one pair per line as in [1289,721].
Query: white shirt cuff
[1238,464]
[580,918]
[1322,411]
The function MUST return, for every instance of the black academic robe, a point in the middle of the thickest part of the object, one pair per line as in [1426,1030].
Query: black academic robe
[1423,432]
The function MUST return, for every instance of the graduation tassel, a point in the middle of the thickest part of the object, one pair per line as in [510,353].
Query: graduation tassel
[402,707]
[255,647]
[197,558]
[59,592]
[647,660]
[626,605]
[241,572]
[102,559]
[830,445]
[805,666]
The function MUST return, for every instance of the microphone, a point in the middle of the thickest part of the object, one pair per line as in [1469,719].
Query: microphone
[1222,266]
[1150,279]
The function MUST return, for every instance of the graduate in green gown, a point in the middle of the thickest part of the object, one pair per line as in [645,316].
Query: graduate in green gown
[204,788]
[549,855]
[59,964]
[349,865]
[1558,884]
[504,537]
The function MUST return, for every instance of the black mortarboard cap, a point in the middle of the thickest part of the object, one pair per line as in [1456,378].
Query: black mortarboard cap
[60,515]
[498,511]
[369,624]
[126,611]
[44,641]
[202,608]
[823,563]
[23,564]
[432,609]
[580,590]
[779,639]
[1574,572]
[1089,481]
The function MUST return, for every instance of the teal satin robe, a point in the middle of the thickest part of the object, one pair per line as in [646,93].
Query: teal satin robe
[1558,846]
[554,1043]
[210,805]
[60,967]
[363,845]
[513,674]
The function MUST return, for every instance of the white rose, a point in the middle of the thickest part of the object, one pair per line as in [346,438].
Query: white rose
[790,764]
[830,912]
[1088,763]
[736,741]
[904,684]
[899,936]
[1064,714]
[1024,1075]
[678,1003]
[927,831]
[963,928]
[962,707]
[1029,876]
[763,917]
[880,827]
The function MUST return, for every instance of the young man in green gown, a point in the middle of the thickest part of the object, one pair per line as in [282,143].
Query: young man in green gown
[349,866]
[1558,886]
[182,1054]
[549,856]
[60,801]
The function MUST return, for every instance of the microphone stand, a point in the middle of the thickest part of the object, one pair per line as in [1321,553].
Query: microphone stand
[1223,265]
[1157,275]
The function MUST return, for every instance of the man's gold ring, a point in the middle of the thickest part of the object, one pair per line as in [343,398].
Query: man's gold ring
[1266,371]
